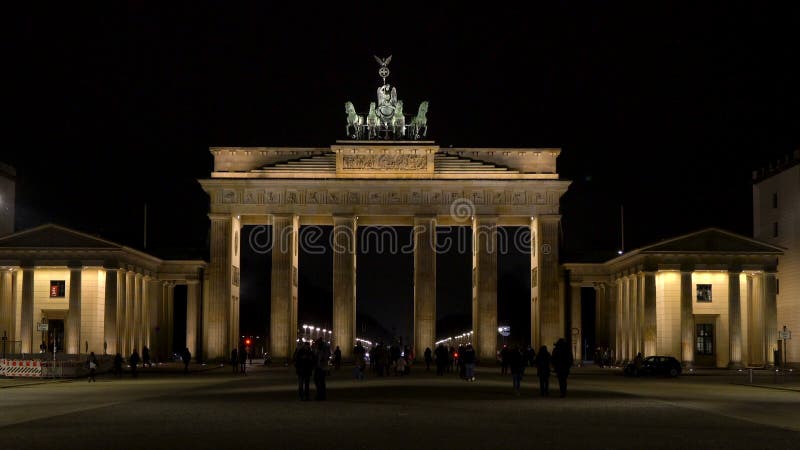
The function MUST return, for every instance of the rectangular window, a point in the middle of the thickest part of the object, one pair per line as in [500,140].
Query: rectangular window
[58,288]
[704,339]
[775,200]
[774,229]
[703,292]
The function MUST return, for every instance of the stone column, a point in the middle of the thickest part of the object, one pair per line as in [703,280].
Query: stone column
[122,287]
[344,284]
[770,317]
[136,331]
[284,280]
[6,306]
[626,320]
[619,338]
[551,311]
[601,316]
[169,304]
[192,314]
[73,325]
[687,320]
[424,285]
[650,322]
[484,297]
[163,327]
[576,335]
[110,313]
[611,298]
[26,324]
[130,294]
[154,318]
[146,324]
[215,311]
[734,320]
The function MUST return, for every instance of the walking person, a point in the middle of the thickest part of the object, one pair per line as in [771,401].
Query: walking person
[562,362]
[235,360]
[118,365]
[243,360]
[516,364]
[303,366]
[323,354]
[468,357]
[428,359]
[442,359]
[359,352]
[186,356]
[91,363]
[542,362]
[146,357]
[134,361]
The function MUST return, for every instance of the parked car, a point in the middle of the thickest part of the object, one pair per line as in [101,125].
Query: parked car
[655,365]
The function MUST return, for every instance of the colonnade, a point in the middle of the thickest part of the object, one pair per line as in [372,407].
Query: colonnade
[628,321]
[220,313]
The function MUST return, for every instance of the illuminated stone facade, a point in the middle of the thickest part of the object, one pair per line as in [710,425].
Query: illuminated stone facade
[95,295]
[776,219]
[706,298]
[357,183]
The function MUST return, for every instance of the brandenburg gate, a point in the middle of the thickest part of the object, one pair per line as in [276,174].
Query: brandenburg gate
[387,174]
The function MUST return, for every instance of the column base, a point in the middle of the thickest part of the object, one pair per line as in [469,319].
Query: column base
[735,365]
[687,365]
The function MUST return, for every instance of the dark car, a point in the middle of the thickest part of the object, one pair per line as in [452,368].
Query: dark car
[655,365]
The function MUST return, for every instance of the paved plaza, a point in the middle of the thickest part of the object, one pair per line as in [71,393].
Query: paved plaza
[214,408]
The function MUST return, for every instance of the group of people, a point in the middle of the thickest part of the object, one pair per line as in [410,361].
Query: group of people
[92,363]
[603,357]
[312,360]
[239,359]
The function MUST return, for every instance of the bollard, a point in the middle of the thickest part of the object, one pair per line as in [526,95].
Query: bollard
[751,375]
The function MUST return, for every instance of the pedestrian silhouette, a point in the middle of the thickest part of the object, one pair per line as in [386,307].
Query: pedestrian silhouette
[562,362]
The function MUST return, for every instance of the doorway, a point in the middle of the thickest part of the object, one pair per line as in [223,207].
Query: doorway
[704,345]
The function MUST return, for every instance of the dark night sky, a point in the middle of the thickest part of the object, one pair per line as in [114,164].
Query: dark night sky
[663,109]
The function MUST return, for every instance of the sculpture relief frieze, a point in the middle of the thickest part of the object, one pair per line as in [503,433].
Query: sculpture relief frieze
[313,197]
[292,197]
[385,162]
[335,198]
[375,198]
[415,198]
[353,198]
[477,197]
[395,198]
[228,196]
[272,197]
[435,198]
[518,197]
[498,198]
[253,196]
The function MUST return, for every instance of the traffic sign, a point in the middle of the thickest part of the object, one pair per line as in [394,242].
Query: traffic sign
[785,334]
[41,327]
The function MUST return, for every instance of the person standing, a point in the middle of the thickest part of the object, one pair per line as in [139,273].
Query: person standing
[91,363]
[187,357]
[442,359]
[516,364]
[134,361]
[468,356]
[542,362]
[235,360]
[323,354]
[337,357]
[146,357]
[243,360]
[562,362]
[428,359]
[303,365]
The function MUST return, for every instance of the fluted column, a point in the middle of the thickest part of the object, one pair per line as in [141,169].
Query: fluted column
[734,319]
[576,336]
[770,317]
[283,304]
[26,323]
[687,320]
[626,320]
[192,314]
[155,290]
[73,325]
[484,297]
[619,338]
[611,331]
[136,330]
[424,285]
[130,313]
[146,306]
[551,311]
[110,313]
[169,303]
[601,316]
[344,284]
[216,309]
[122,287]
[6,305]
[650,322]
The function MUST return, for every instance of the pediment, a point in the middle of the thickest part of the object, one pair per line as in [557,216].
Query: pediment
[712,240]
[54,236]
